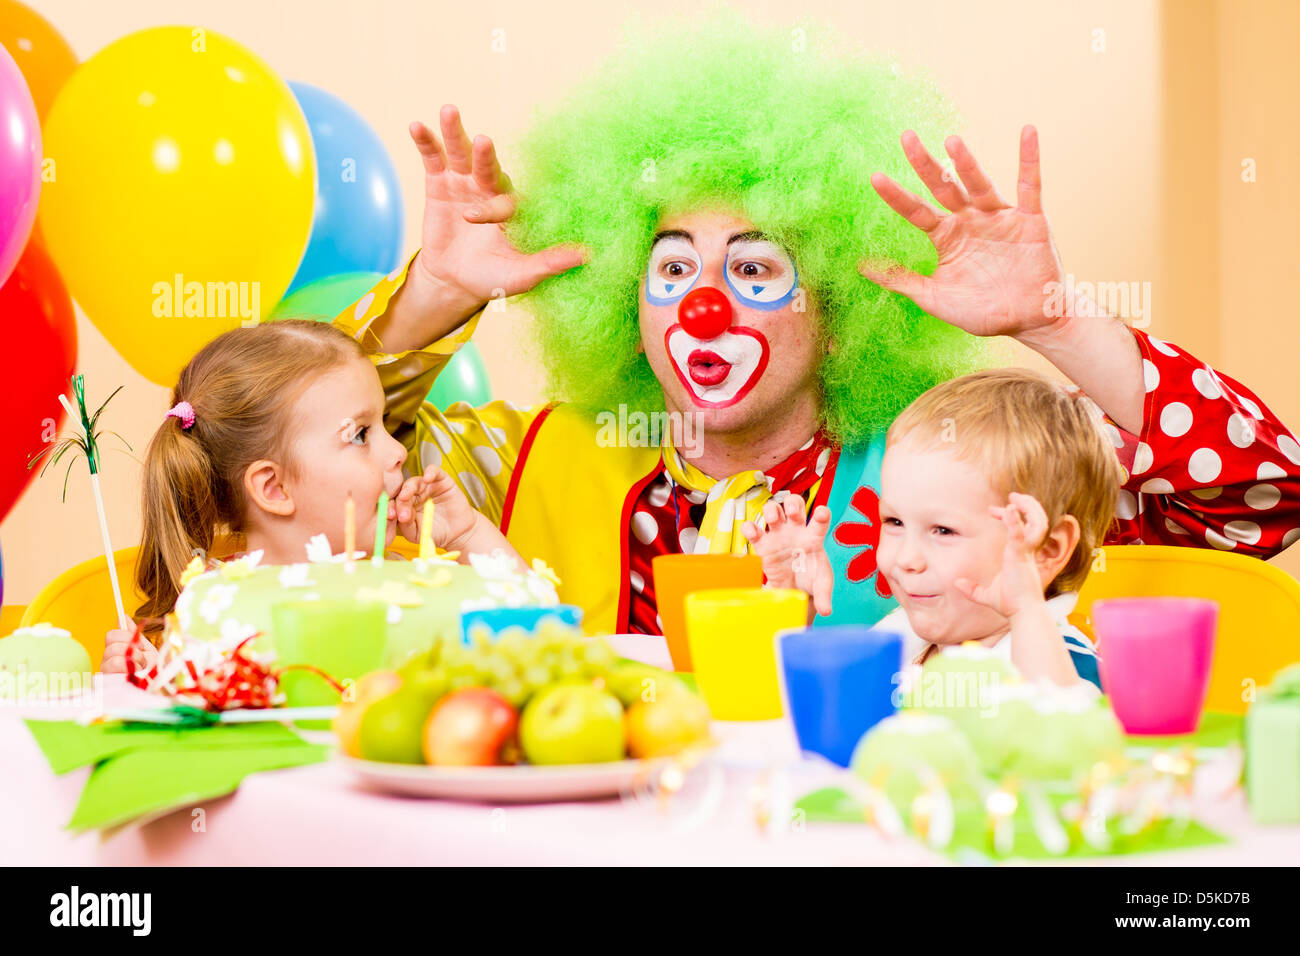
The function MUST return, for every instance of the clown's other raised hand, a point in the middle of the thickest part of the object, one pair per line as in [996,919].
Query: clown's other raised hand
[465,258]
[794,552]
[1017,586]
[996,260]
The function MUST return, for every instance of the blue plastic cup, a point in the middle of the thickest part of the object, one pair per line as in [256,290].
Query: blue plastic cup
[839,682]
[498,620]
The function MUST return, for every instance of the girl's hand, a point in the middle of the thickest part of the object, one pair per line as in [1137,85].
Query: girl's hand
[116,645]
[454,518]
[995,260]
[794,552]
[1017,585]
[467,200]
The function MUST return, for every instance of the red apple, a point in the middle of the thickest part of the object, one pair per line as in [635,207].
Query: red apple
[472,727]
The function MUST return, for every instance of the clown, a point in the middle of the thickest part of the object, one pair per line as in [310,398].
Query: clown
[696,235]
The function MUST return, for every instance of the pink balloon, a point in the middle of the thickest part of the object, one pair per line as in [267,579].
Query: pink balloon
[20,163]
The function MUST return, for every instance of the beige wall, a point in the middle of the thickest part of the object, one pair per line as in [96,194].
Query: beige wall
[1139,157]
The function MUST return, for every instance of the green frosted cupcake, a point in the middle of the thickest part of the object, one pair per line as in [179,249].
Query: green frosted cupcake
[903,753]
[42,661]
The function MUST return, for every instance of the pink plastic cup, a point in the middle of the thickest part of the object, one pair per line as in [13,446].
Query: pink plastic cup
[1155,660]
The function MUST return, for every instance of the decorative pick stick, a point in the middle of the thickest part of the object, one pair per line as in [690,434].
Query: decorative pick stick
[349,531]
[86,441]
[381,529]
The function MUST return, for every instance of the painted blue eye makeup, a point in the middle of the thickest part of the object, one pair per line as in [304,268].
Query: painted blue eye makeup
[761,274]
[674,269]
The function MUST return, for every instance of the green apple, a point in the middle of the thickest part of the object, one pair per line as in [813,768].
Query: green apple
[392,728]
[640,682]
[572,723]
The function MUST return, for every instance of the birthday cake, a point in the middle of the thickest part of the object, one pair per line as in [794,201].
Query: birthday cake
[422,599]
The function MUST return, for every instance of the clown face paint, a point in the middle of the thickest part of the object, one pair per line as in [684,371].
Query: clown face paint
[718,371]
[761,274]
[673,270]
[726,329]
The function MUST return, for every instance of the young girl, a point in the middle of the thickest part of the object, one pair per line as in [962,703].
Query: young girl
[996,488]
[271,429]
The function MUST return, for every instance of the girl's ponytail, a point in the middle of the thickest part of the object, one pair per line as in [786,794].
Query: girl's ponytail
[180,514]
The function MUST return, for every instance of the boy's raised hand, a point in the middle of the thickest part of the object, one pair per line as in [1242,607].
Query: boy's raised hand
[1017,584]
[453,516]
[465,256]
[793,549]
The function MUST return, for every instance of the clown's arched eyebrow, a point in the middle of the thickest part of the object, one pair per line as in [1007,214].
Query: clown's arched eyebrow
[752,236]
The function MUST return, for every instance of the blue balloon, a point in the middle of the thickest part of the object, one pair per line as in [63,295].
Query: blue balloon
[357,226]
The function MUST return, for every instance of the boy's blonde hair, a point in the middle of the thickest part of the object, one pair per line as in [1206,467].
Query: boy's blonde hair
[1030,435]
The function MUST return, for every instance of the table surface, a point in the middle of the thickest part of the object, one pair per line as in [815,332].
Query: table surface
[321,815]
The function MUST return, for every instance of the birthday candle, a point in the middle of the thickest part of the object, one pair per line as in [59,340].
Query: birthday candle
[381,527]
[349,529]
[426,531]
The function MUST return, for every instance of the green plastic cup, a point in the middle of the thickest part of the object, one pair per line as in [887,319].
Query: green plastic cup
[345,639]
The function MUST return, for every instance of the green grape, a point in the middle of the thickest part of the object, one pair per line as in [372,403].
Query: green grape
[515,692]
[536,677]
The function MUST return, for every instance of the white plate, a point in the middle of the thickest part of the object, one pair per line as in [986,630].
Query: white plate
[518,784]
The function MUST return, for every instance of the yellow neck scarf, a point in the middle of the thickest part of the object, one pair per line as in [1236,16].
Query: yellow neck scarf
[729,503]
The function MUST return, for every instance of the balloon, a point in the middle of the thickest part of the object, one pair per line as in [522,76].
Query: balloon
[41,53]
[181,200]
[358,221]
[20,163]
[463,380]
[39,332]
[325,298]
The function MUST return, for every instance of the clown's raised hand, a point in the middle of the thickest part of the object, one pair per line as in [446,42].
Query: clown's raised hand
[995,260]
[465,258]
[794,552]
[1017,585]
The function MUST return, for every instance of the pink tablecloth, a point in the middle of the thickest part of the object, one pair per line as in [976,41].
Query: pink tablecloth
[320,815]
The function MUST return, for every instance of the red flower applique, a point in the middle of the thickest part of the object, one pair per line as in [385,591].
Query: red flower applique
[866,535]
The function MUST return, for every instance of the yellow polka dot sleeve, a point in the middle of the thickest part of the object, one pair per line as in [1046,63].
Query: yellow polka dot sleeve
[478,447]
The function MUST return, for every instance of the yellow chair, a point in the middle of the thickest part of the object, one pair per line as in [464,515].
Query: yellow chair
[80,600]
[11,616]
[1259,609]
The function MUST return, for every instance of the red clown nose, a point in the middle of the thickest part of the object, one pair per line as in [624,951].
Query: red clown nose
[705,313]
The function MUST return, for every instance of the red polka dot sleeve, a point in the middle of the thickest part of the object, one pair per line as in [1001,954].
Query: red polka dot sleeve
[1213,466]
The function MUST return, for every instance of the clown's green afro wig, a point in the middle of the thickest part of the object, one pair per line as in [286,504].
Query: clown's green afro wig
[771,124]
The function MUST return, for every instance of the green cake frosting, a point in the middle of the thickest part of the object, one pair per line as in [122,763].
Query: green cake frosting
[423,599]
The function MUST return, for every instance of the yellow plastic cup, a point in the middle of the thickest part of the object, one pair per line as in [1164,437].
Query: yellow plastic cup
[677,575]
[732,636]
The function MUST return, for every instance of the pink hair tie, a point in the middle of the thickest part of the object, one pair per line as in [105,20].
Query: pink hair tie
[184,411]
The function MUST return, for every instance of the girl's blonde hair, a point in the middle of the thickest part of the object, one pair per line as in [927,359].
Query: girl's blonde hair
[1029,434]
[242,386]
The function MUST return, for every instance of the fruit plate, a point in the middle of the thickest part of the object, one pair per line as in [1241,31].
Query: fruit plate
[516,784]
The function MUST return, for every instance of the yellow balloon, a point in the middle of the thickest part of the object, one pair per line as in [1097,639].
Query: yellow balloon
[178,194]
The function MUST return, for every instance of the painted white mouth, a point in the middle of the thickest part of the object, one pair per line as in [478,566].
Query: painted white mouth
[741,352]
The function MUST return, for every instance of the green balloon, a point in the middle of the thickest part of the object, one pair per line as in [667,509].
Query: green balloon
[463,380]
[325,298]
